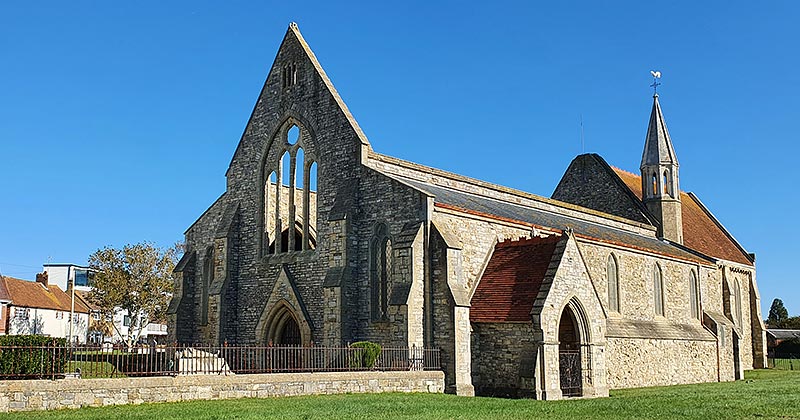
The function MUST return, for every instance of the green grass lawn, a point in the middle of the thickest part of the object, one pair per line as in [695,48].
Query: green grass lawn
[94,369]
[766,394]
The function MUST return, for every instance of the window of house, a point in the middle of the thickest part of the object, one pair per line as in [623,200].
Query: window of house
[126,321]
[290,210]
[612,273]
[380,270]
[21,313]
[694,295]
[658,290]
[81,277]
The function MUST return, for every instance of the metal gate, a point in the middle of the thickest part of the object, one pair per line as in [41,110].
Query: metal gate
[570,371]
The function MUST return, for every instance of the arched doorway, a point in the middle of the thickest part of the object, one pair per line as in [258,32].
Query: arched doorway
[289,334]
[285,330]
[569,354]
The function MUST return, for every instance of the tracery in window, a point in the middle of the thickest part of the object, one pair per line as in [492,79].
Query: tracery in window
[290,211]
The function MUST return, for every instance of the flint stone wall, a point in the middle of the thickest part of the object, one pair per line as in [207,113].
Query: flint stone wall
[32,395]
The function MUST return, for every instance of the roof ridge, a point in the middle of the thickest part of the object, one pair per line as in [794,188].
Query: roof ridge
[496,187]
[524,241]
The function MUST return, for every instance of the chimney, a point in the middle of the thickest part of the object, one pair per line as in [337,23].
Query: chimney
[42,278]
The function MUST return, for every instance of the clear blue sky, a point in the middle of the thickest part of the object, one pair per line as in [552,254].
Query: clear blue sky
[118,119]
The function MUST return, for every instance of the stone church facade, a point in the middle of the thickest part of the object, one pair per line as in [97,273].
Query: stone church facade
[618,280]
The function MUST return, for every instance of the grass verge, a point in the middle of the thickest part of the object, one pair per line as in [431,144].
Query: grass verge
[763,394]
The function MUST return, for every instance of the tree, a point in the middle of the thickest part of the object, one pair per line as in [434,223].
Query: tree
[777,314]
[136,279]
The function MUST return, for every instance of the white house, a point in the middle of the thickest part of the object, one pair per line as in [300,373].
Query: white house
[41,308]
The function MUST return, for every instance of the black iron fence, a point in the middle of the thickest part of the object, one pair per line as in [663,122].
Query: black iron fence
[31,362]
[784,361]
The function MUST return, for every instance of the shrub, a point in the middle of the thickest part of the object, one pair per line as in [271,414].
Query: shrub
[365,355]
[32,356]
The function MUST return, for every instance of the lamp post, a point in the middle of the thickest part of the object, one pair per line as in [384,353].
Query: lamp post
[71,282]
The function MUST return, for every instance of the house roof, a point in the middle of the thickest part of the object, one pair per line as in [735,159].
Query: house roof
[542,219]
[701,230]
[30,294]
[512,279]
[85,300]
[783,334]
[4,295]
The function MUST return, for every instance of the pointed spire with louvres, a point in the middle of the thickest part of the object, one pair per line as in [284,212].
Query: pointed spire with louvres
[660,186]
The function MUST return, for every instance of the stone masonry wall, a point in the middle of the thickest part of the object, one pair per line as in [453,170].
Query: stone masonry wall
[632,363]
[503,359]
[75,393]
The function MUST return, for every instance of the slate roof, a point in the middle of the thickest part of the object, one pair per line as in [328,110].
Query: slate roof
[30,294]
[783,334]
[486,206]
[701,231]
[512,279]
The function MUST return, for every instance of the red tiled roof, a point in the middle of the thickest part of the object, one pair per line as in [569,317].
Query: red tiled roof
[30,294]
[512,279]
[700,232]
[4,295]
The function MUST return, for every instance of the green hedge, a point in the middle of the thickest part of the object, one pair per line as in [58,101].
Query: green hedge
[32,356]
[366,354]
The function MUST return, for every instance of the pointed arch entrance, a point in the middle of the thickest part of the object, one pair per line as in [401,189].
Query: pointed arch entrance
[573,360]
[284,328]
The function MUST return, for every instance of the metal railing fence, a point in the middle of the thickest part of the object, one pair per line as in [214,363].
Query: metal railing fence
[104,361]
[784,361]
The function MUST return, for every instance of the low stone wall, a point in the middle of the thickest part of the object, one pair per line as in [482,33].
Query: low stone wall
[23,395]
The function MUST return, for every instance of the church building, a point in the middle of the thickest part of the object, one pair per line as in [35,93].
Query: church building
[617,280]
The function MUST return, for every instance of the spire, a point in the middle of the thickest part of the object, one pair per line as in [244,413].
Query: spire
[658,148]
[661,191]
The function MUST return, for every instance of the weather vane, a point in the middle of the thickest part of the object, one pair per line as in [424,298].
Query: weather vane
[656,83]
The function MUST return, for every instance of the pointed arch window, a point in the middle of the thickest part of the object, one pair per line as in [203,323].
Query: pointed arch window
[655,184]
[694,296]
[208,277]
[658,290]
[380,270]
[667,190]
[290,194]
[612,271]
[737,298]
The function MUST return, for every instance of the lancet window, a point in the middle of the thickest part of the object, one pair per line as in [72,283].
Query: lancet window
[612,271]
[380,270]
[658,290]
